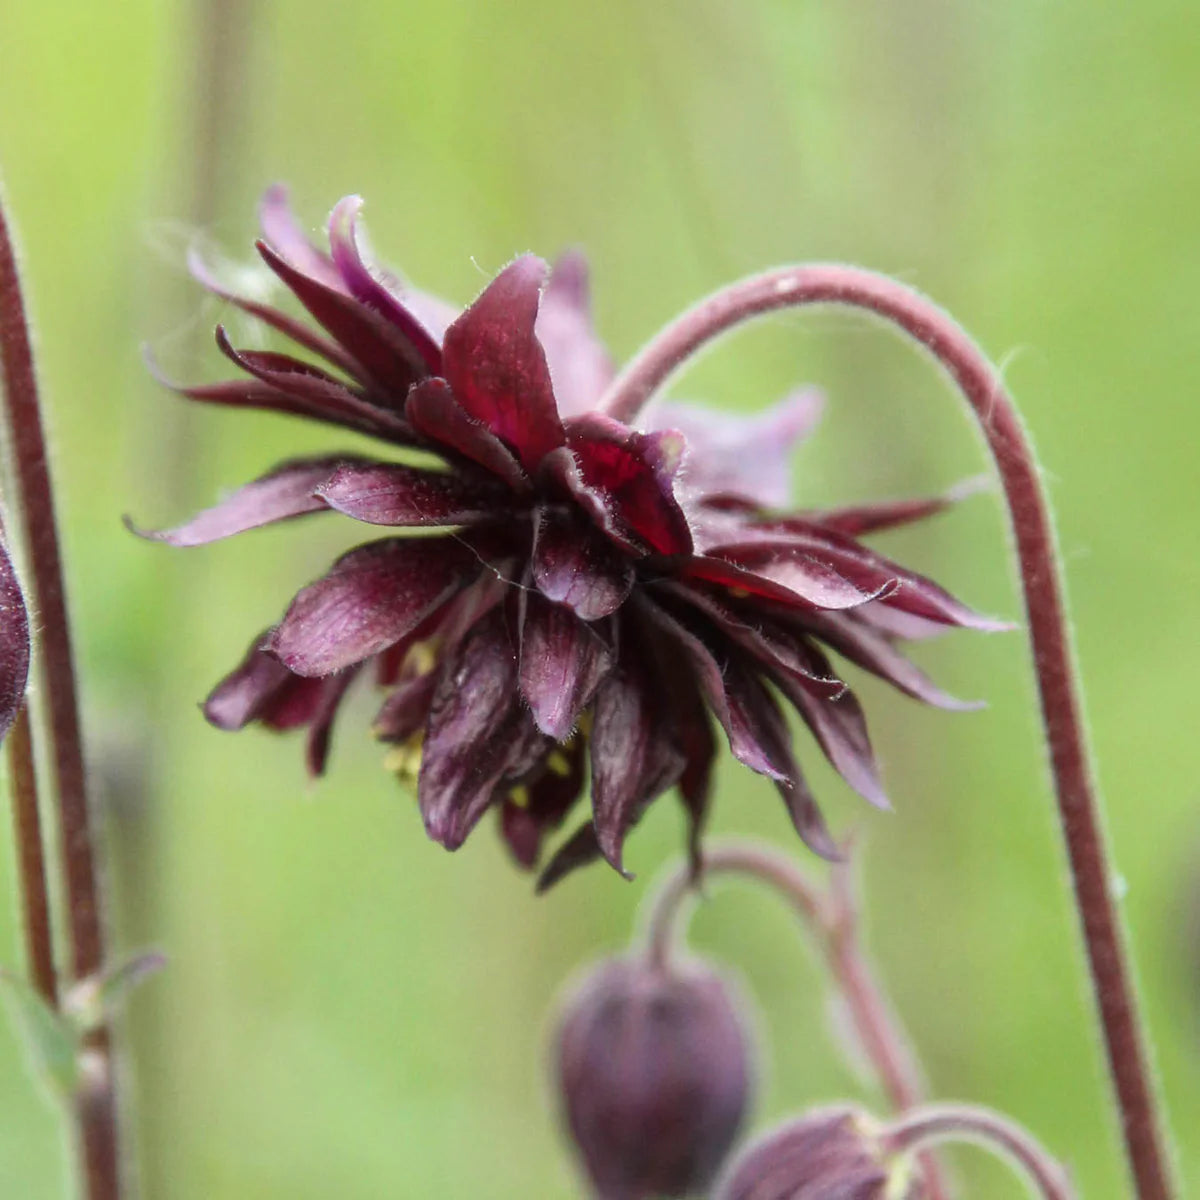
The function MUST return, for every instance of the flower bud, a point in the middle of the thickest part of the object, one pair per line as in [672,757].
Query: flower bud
[654,1072]
[829,1154]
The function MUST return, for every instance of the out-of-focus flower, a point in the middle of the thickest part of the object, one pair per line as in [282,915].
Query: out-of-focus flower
[830,1154]
[654,1075]
[603,591]
[14,642]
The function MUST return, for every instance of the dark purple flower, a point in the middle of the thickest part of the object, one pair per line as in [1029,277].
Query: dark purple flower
[654,1075]
[830,1154]
[598,595]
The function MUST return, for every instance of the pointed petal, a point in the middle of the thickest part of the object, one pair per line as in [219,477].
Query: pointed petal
[779,555]
[371,598]
[742,456]
[333,691]
[871,650]
[841,731]
[287,491]
[548,799]
[626,480]
[384,353]
[319,391]
[791,580]
[392,494]
[580,849]
[497,368]
[364,287]
[281,229]
[737,699]
[435,413]
[562,663]
[855,520]
[298,332]
[807,819]
[632,760]
[243,695]
[14,643]
[572,565]
[579,364]
[476,733]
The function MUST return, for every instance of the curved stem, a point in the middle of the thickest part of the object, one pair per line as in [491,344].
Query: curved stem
[38,524]
[833,917]
[953,1122]
[1078,804]
[31,859]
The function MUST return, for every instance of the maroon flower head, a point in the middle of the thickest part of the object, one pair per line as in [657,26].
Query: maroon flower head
[598,594]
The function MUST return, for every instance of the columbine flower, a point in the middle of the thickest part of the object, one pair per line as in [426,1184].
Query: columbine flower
[654,1075]
[605,591]
[829,1154]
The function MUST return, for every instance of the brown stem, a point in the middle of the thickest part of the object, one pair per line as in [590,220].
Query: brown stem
[31,859]
[953,1122]
[1078,803]
[833,918]
[36,518]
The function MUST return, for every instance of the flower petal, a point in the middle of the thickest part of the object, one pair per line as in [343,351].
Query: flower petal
[14,643]
[385,354]
[807,819]
[626,479]
[281,229]
[746,456]
[393,494]
[287,491]
[547,801]
[632,759]
[406,709]
[856,520]
[841,731]
[297,331]
[371,598]
[320,730]
[791,580]
[497,368]
[871,650]
[579,365]
[260,686]
[731,690]
[364,287]
[572,565]
[434,412]
[477,733]
[562,662]
[580,849]
[320,391]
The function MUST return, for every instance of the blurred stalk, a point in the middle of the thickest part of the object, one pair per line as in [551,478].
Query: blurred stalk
[96,1115]
[1080,817]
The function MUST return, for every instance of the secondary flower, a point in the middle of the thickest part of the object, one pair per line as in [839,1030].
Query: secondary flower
[600,593]
[654,1075]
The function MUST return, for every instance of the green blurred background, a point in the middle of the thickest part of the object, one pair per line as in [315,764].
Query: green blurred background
[348,1010]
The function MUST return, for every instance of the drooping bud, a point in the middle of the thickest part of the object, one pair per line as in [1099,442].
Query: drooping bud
[654,1070]
[829,1154]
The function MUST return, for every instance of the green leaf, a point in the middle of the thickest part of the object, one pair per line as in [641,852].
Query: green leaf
[50,1041]
[92,1001]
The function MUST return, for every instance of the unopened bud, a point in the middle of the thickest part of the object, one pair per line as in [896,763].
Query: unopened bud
[829,1154]
[654,1071]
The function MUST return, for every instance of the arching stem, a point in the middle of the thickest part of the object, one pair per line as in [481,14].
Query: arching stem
[938,1124]
[1078,803]
[37,524]
[832,916]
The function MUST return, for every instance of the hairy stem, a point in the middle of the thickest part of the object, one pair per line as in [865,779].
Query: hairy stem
[38,525]
[833,918]
[953,1122]
[31,859]
[1078,803]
